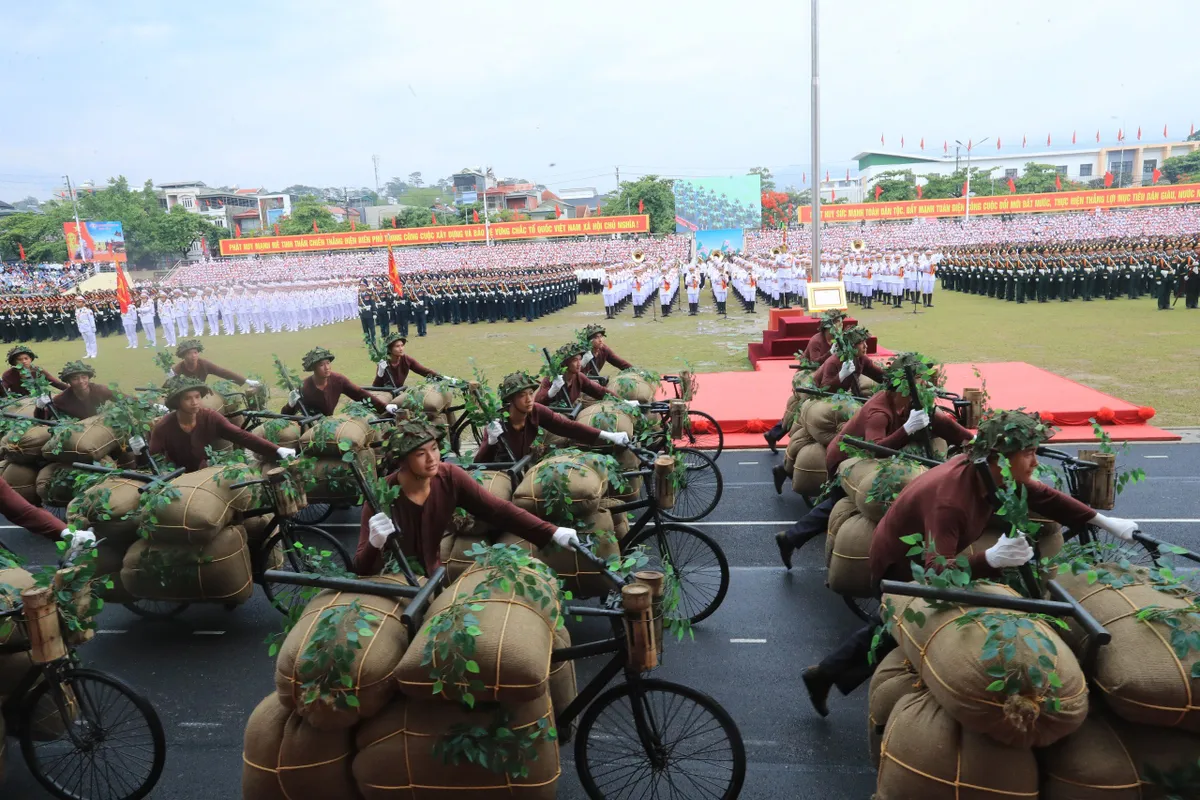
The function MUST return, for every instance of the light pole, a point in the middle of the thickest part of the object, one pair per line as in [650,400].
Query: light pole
[814,273]
[967,193]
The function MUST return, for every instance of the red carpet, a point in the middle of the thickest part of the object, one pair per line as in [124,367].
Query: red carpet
[749,403]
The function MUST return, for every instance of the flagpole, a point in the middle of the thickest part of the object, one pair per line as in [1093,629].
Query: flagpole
[815,270]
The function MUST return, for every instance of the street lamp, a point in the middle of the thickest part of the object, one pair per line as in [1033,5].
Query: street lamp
[967,193]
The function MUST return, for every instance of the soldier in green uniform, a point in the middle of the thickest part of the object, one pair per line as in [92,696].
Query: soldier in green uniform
[366,309]
[1164,281]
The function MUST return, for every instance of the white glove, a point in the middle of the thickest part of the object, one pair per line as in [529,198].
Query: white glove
[161,409]
[494,429]
[42,401]
[633,404]
[566,538]
[171,373]
[78,540]
[1010,551]
[917,420]
[137,444]
[253,384]
[380,527]
[381,368]
[833,348]
[1121,528]
[847,370]
[556,385]
[620,438]
[392,408]
[587,358]
[293,397]
[285,453]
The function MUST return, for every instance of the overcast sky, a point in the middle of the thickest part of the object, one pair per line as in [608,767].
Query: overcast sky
[272,94]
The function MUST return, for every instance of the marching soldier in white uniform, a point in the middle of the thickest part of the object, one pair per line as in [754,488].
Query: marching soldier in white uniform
[85,320]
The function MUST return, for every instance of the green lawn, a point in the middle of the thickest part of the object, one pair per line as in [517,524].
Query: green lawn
[1125,348]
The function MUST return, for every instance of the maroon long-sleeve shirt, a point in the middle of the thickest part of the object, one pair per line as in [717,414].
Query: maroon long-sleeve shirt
[520,441]
[324,401]
[204,368]
[19,511]
[397,374]
[573,386]
[186,448]
[878,422]
[949,504]
[817,349]
[70,404]
[12,381]
[827,376]
[421,526]
[605,355]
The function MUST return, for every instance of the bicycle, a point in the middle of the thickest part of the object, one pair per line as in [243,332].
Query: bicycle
[701,483]
[698,429]
[84,734]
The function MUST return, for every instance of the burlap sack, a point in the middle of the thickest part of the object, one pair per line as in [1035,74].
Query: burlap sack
[12,582]
[22,407]
[332,480]
[110,508]
[512,650]
[465,531]
[849,565]
[55,484]
[948,658]
[893,679]
[93,443]
[284,758]
[205,506]
[435,402]
[27,448]
[853,474]
[607,415]
[1139,672]
[396,754]
[216,572]
[324,439]
[1108,759]
[256,531]
[791,413]
[869,484]
[808,475]
[580,577]
[824,417]
[585,486]
[495,483]
[109,560]
[620,518]
[628,462]
[630,384]
[842,510]
[563,687]
[373,665]
[23,480]
[280,433]
[789,454]
[926,754]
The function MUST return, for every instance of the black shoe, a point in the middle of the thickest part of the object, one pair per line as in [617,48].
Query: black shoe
[818,690]
[779,476]
[771,442]
[785,548]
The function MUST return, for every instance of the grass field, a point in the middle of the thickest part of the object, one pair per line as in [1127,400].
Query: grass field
[1125,348]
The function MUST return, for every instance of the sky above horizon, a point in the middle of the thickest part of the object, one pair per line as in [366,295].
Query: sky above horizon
[273,94]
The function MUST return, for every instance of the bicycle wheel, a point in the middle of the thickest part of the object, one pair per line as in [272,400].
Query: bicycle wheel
[156,609]
[653,738]
[702,432]
[59,512]
[700,488]
[1101,546]
[314,513]
[865,608]
[699,564]
[283,595]
[111,747]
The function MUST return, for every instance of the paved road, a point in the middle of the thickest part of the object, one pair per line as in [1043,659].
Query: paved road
[206,671]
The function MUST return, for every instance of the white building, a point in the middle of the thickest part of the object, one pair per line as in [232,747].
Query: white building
[249,209]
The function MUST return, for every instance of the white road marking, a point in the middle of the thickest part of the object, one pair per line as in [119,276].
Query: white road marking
[761,743]
[747,641]
[208,633]
[1155,456]
[747,463]
[107,631]
[199,724]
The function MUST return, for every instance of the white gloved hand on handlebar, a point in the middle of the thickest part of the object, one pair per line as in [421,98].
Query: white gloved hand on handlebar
[285,453]
[633,404]
[847,370]
[1010,551]
[494,429]
[293,397]
[161,409]
[566,538]
[137,444]
[379,528]
[392,408]
[381,368]
[917,420]
[1121,528]
[253,384]
[587,358]
[171,373]
[556,385]
[619,438]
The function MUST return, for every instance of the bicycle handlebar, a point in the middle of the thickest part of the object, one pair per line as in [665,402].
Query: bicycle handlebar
[299,420]
[414,614]
[877,449]
[613,578]
[1066,458]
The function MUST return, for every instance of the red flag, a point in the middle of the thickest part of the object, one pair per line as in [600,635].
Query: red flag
[964,189]
[1120,134]
[557,212]
[237,231]
[1012,187]
[919,192]
[1139,133]
[204,245]
[641,207]
[922,142]
[432,218]
[124,296]
[878,191]
[1047,140]
[847,173]
[1108,178]
[881,140]
[997,142]
[833,195]
[352,228]
[475,214]
[1097,135]
[1164,131]
[1156,174]
[315,229]
[1023,140]
[393,273]
[276,228]
[1057,183]
[21,247]
[1072,137]
[969,144]
[827,176]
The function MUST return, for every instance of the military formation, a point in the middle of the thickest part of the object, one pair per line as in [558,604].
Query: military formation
[52,318]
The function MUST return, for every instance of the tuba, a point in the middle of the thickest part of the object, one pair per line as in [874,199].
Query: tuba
[777,251]
[638,256]
[716,255]
[858,245]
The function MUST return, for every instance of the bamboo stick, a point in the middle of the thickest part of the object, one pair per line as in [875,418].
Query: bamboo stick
[41,619]
[639,627]
[664,489]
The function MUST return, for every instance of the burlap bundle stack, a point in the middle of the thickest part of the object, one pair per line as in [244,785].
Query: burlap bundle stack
[110,509]
[331,479]
[815,425]
[227,398]
[22,478]
[23,464]
[465,531]
[435,399]
[634,384]
[95,441]
[616,417]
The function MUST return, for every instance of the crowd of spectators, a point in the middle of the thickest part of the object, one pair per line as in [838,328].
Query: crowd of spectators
[41,279]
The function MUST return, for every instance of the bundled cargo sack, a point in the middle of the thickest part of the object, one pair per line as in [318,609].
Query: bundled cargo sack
[635,384]
[26,447]
[1145,674]
[332,480]
[92,442]
[206,505]
[465,531]
[824,417]
[109,560]
[1111,759]
[512,650]
[580,576]
[926,754]
[326,437]
[620,518]
[608,415]
[13,581]
[282,432]
[585,485]
[808,472]
[398,753]
[110,508]
[849,564]
[563,686]
[496,483]
[216,572]
[949,658]
[893,680]
[853,474]
[283,758]
[55,484]
[878,481]
[23,480]
[842,510]
[256,530]
[632,490]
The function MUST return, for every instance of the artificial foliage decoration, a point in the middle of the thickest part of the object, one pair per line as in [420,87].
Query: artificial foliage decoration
[163,360]
[375,352]
[75,588]
[72,368]
[315,356]
[61,434]
[1007,632]
[130,415]
[498,747]
[1009,432]
[327,661]
[189,344]
[34,381]
[1182,629]
[927,375]
[315,562]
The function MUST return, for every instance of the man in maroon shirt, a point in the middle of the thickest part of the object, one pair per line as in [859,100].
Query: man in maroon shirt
[183,433]
[193,366]
[816,351]
[600,353]
[321,390]
[22,513]
[393,370]
[951,504]
[81,399]
[21,358]
[840,372]
[512,439]
[430,490]
[887,419]
[566,388]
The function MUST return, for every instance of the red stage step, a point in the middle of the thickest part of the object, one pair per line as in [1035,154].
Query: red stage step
[788,332]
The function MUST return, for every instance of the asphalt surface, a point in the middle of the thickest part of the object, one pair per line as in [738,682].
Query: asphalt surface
[205,671]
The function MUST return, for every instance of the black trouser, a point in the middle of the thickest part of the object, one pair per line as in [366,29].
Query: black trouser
[776,433]
[815,522]
[849,666]
[368,325]
[421,324]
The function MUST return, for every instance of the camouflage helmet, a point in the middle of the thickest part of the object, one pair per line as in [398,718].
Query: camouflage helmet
[856,336]
[514,383]
[410,434]
[189,344]
[592,331]
[925,370]
[18,350]
[76,368]
[395,337]
[1009,432]
[314,357]
[177,386]
[831,319]
[570,350]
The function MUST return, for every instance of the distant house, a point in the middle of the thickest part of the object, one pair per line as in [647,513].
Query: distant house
[6,209]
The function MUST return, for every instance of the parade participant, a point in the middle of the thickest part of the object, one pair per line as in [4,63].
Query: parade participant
[952,505]
[600,353]
[21,358]
[571,383]
[166,313]
[693,294]
[430,491]
[21,513]
[145,312]
[393,370]
[193,366]
[839,373]
[183,434]
[82,398]
[129,321]
[85,320]
[815,353]
[524,418]
[321,390]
